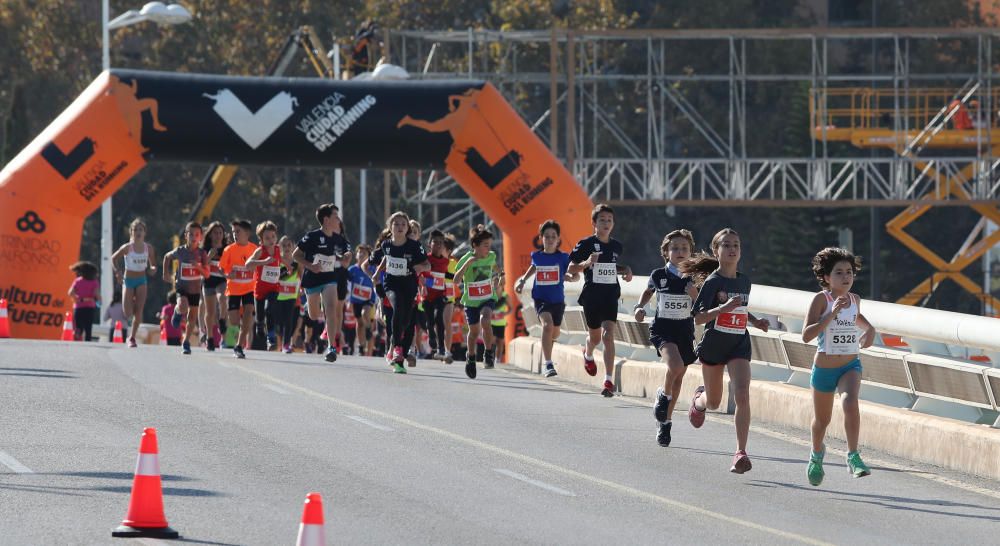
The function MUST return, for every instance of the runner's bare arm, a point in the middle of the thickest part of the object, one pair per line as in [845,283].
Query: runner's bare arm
[816,321]
[640,311]
[152,258]
[519,285]
[167,258]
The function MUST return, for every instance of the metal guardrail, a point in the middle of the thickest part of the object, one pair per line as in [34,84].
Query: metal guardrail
[927,383]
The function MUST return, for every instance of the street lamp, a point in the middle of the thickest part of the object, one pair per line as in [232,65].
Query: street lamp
[158,13]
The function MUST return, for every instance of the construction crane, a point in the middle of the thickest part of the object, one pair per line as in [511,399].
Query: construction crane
[908,122]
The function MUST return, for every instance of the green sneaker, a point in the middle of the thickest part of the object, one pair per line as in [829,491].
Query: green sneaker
[398,368]
[815,469]
[856,466]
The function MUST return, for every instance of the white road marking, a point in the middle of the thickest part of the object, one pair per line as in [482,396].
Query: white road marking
[538,463]
[374,425]
[14,464]
[275,388]
[536,483]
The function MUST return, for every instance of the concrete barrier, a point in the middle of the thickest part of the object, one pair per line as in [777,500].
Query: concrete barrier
[940,441]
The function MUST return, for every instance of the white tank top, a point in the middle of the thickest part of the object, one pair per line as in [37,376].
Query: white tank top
[136,261]
[841,336]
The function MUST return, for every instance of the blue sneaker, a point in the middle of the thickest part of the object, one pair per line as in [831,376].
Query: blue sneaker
[186,348]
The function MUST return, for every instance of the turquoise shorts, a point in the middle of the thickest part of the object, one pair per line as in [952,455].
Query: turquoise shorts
[319,289]
[135,282]
[826,379]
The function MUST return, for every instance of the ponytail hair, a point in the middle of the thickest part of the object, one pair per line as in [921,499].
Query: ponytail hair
[702,264]
[479,234]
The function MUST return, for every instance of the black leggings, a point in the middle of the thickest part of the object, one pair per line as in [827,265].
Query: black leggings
[403,297]
[83,322]
[265,311]
[285,316]
[435,319]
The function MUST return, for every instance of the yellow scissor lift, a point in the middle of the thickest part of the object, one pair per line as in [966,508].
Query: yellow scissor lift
[941,118]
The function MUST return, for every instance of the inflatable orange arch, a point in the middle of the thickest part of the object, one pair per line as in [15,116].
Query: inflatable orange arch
[125,119]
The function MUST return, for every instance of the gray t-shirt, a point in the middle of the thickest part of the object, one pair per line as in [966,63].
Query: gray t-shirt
[188,277]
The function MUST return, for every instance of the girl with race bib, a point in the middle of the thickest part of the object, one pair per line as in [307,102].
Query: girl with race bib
[402,260]
[287,315]
[549,267]
[266,263]
[672,332]
[362,298]
[835,321]
[191,270]
[213,286]
[482,278]
[435,300]
[722,307]
[138,256]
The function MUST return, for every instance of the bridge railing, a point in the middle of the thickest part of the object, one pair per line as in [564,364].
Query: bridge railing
[932,372]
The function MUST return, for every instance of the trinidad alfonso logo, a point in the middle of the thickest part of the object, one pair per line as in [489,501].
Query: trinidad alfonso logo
[253,127]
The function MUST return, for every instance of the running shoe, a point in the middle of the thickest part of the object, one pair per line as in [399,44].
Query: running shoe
[661,406]
[331,354]
[131,343]
[203,339]
[589,364]
[398,368]
[815,471]
[663,436]
[446,356]
[238,352]
[470,367]
[186,348]
[856,466]
[397,355]
[411,361]
[489,357]
[309,347]
[741,463]
[550,370]
[210,344]
[288,349]
[695,415]
[609,389]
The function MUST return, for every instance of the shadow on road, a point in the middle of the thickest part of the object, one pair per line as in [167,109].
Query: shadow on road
[119,476]
[38,372]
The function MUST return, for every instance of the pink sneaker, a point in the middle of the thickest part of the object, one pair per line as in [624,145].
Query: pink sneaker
[589,364]
[741,463]
[397,355]
[132,343]
[695,415]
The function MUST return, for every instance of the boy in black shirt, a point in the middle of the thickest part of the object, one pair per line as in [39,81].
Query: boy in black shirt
[597,256]
[320,253]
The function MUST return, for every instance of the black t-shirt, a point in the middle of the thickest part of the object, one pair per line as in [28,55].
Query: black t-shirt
[326,250]
[400,260]
[600,282]
[672,301]
[728,329]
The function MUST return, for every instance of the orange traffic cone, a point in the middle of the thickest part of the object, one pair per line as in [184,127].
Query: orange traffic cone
[311,531]
[118,333]
[4,325]
[145,509]
[67,334]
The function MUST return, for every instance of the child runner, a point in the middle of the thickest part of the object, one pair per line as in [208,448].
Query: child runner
[450,291]
[378,279]
[597,256]
[266,263]
[84,292]
[498,323]
[834,318]
[115,315]
[672,332]
[402,260]
[288,291]
[435,301]
[191,270]
[722,307]
[319,253]
[213,245]
[167,330]
[549,267]
[240,286]
[419,316]
[482,278]
[139,256]
[362,297]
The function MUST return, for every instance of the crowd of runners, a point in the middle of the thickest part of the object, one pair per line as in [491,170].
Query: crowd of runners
[397,299]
